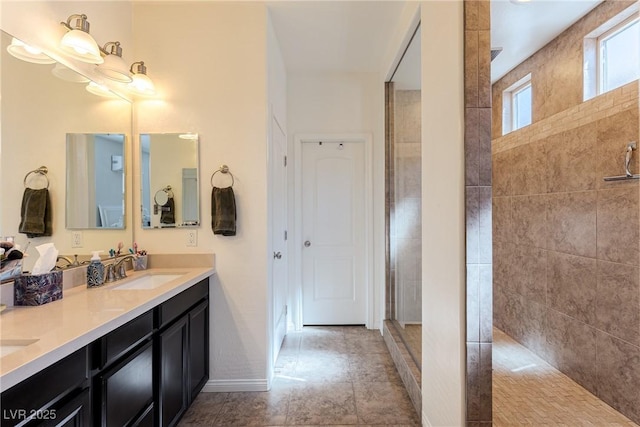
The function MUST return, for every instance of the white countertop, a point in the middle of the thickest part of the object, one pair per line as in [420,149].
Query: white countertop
[80,317]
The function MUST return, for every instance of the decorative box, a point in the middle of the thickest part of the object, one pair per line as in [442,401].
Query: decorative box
[37,289]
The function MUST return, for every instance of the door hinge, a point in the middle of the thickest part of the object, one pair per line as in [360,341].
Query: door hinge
[286,309]
[285,161]
[285,234]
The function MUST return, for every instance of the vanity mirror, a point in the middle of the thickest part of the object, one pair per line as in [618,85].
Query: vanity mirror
[169,180]
[38,110]
[95,180]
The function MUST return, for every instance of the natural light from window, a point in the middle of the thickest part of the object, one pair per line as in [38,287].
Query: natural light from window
[522,107]
[619,55]
[516,105]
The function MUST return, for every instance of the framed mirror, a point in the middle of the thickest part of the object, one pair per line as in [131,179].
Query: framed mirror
[95,180]
[169,180]
[38,110]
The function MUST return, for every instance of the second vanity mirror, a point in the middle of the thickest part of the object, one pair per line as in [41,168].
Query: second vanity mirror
[95,180]
[169,180]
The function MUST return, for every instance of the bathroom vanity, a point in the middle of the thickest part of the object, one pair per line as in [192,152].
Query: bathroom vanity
[132,353]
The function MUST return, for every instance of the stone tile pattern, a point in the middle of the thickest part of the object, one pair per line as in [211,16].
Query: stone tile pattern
[324,375]
[559,64]
[567,244]
[406,207]
[389,196]
[405,361]
[478,193]
[528,391]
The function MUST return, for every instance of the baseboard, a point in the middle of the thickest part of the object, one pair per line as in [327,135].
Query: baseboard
[218,386]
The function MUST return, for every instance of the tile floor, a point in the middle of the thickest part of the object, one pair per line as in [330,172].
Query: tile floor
[529,392]
[324,376]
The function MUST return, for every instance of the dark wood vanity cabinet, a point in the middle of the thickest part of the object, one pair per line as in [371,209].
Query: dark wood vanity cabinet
[49,395]
[144,373]
[183,352]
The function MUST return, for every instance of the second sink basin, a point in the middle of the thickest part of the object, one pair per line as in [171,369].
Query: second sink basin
[150,281]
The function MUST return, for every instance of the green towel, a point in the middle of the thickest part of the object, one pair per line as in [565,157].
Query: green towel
[36,213]
[223,211]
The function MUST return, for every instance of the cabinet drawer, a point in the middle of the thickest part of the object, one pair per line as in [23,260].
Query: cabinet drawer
[178,305]
[118,342]
[45,388]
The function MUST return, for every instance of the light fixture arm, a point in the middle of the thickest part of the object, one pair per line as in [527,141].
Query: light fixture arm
[140,69]
[81,22]
[115,49]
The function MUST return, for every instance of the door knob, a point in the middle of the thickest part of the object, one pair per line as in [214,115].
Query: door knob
[307,244]
[277,255]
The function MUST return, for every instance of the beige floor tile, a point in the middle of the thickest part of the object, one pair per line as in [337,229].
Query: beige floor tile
[527,391]
[315,377]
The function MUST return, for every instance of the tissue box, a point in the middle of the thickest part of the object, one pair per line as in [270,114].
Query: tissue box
[37,289]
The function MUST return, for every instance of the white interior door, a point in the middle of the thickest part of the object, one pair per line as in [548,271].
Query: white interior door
[279,227]
[333,233]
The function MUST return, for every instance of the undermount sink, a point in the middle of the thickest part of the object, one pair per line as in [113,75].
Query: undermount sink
[9,346]
[150,281]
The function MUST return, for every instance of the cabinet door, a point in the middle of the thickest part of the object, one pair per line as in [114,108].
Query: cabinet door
[75,413]
[125,391]
[173,372]
[198,348]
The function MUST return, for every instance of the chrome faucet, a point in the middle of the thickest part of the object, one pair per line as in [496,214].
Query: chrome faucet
[117,269]
[66,259]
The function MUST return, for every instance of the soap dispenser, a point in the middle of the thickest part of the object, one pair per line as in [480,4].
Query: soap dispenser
[95,271]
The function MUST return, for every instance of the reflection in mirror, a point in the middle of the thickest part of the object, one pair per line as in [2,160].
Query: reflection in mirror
[37,111]
[169,180]
[404,183]
[95,180]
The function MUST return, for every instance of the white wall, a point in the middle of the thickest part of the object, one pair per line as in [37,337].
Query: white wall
[341,103]
[443,215]
[209,63]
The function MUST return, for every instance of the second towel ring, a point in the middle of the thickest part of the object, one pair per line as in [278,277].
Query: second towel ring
[167,190]
[225,170]
[42,170]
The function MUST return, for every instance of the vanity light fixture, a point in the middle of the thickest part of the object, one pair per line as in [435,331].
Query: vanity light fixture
[23,51]
[99,90]
[114,67]
[141,84]
[78,43]
[65,73]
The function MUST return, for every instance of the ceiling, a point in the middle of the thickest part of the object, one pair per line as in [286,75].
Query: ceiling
[521,29]
[334,36]
[352,36]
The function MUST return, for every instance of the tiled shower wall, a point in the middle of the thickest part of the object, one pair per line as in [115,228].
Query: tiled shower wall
[567,243]
[406,210]
[477,140]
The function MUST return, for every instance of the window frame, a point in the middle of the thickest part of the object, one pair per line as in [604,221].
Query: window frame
[602,38]
[509,108]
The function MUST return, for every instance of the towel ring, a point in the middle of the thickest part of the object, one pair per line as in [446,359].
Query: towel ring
[167,190]
[225,170]
[42,170]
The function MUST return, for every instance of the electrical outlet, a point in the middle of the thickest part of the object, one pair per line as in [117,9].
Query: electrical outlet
[192,237]
[76,239]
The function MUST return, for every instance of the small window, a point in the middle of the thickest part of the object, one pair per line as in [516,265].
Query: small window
[619,53]
[612,53]
[516,105]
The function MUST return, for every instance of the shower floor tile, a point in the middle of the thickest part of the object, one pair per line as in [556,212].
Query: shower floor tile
[335,375]
[527,391]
